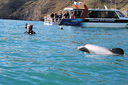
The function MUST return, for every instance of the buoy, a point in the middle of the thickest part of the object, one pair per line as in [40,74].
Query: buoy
[61,27]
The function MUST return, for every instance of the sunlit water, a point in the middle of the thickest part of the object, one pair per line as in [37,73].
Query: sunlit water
[50,57]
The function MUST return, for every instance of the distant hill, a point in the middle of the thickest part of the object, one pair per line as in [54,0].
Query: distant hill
[37,9]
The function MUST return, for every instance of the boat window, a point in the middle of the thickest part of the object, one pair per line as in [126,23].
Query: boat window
[104,14]
[101,14]
[78,13]
[94,14]
[112,14]
[120,14]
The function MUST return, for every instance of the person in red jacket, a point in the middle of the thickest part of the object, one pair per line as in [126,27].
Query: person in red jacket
[72,15]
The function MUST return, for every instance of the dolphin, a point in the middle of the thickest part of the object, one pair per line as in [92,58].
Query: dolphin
[94,49]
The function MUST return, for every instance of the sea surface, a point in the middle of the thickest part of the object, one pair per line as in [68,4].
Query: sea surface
[50,57]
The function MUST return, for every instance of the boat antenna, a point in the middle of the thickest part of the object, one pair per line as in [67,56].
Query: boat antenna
[98,4]
[105,7]
[115,4]
[111,4]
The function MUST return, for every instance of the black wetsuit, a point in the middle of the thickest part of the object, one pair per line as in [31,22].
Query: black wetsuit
[52,15]
[32,32]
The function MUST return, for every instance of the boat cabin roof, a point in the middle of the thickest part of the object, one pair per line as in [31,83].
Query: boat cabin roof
[103,10]
[68,9]
[71,9]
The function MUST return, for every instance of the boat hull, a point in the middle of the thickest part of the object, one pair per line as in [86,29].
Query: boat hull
[96,23]
[71,22]
[110,25]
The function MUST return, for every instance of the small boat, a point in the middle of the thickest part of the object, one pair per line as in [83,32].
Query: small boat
[95,18]
[47,20]
[51,21]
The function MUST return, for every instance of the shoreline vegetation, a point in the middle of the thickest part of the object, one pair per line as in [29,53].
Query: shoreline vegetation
[36,10]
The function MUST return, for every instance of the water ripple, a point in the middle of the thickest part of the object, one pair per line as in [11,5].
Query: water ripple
[50,57]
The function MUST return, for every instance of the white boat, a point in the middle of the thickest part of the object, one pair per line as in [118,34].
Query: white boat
[48,20]
[96,18]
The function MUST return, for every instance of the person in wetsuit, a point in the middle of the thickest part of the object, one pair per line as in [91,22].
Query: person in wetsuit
[52,16]
[29,29]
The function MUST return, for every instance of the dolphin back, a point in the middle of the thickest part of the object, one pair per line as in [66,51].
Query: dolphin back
[94,49]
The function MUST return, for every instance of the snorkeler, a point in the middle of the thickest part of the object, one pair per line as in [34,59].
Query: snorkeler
[61,27]
[29,29]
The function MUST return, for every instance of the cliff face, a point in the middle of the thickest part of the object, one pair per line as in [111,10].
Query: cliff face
[7,7]
[36,9]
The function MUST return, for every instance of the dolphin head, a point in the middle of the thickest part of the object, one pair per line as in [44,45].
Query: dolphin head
[117,51]
[84,49]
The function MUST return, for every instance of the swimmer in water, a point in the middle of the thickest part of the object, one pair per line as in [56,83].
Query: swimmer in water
[29,29]
[61,27]
[26,26]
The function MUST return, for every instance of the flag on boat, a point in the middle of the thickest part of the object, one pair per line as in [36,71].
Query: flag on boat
[77,4]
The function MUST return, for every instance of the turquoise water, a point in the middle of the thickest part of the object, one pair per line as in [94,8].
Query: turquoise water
[50,57]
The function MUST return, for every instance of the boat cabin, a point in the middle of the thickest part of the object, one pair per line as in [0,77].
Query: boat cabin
[104,13]
[96,13]
[77,13]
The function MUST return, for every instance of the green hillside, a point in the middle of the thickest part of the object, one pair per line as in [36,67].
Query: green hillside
[37,9]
